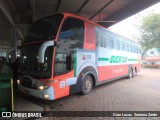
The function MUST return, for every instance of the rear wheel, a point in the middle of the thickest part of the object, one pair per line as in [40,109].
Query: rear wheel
[130,73]
[134,73]
[87,85]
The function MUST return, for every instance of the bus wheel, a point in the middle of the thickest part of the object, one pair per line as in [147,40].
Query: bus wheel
[134,73]
[130,73]
[87,85]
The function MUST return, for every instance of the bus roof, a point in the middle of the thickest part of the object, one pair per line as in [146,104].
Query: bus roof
[84,19]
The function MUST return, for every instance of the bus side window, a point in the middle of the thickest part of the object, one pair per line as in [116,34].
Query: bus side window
[117,44]
[97,38]
[112,43]
[73,31]
[130,48]
[133,47]
[63,63]
[105,42]
[127,47]
[123,45]
[136,49]
[101,40]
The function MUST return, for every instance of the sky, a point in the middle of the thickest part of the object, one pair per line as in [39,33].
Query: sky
[130,26]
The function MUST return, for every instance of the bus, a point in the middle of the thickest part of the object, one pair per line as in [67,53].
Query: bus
[65,54]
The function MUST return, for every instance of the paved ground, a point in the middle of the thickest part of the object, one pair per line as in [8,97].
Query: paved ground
[141,93]
[25,105]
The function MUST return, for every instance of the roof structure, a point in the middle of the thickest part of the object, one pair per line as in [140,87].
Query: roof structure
[17,15]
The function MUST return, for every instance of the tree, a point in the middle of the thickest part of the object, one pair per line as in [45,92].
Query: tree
[150,32]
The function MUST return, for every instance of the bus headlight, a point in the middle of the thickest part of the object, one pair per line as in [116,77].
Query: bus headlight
[46,96]
[18,82]
[41,87]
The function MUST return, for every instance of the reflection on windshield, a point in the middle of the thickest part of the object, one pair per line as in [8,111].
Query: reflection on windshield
[29,64]
[45,29]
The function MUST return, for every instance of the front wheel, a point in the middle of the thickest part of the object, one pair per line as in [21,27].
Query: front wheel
[87,85]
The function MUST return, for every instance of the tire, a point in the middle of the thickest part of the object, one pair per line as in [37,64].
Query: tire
[130,75]
[134,73]
[87,85]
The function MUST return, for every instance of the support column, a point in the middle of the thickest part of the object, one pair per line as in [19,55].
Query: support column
[13,45]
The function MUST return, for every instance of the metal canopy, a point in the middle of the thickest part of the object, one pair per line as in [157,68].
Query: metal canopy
[19,14]
[96,10]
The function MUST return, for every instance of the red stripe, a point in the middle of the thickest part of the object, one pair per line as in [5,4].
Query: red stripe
[61,92]
[108,72]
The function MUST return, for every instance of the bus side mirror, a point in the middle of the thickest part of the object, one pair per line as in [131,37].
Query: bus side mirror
[42,50]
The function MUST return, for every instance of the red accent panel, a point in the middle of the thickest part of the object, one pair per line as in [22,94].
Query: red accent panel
[90,38]
[108,72]
[61,92]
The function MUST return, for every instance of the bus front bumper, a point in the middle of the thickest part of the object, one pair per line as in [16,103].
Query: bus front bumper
[47,94]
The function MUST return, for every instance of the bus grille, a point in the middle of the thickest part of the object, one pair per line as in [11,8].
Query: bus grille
[27,82]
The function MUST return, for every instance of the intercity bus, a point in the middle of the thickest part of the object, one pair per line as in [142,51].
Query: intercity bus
[65,54]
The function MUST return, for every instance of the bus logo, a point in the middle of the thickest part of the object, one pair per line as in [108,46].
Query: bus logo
[118,59]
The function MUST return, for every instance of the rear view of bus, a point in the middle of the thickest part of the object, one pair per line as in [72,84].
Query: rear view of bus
[65,54]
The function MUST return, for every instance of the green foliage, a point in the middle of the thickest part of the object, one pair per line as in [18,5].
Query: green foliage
[150,32]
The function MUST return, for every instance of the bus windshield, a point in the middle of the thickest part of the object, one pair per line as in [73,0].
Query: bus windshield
[29,64]
[44,29]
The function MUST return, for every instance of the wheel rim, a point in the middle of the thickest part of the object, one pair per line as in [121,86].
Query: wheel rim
[130,75]
[88,85]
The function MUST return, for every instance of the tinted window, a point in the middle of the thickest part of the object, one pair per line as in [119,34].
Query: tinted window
[63,63]
[128,47]
[104,42]
[123,45]
[44,29]
[137,49]
[102,38]
[117,44]
[72,32]
[97,39]
[111,43]
[29,65]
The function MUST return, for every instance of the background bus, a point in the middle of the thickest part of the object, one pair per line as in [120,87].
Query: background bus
[64,54]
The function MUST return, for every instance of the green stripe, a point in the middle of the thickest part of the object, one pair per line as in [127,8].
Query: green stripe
[103,59]
[132,60]
[75,63]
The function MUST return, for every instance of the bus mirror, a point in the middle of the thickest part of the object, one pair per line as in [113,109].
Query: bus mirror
[42,50]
